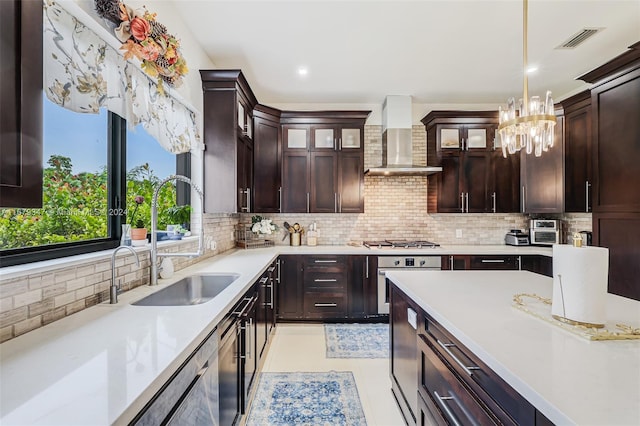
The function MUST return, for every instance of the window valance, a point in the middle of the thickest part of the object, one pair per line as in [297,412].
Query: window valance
[83,73]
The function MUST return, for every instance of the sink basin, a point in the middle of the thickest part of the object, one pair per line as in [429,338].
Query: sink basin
[192,290]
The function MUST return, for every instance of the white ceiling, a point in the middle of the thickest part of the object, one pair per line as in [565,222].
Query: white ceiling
[438,51]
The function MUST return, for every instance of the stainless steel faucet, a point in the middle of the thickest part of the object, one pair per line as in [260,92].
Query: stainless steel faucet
[154,226]
[113,293]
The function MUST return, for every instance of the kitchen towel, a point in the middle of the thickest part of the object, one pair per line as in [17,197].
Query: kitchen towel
[580,277]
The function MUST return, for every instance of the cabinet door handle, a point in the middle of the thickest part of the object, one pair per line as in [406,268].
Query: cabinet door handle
[272,303]
[280,200]
[524,200]
[586,196]
[494,202]
[366,267]
[339,144]
[278,275]
[451,262]
[493,261]
[339,202]
[466,198]
[325,305]
[248,200]
[462,202]
[467,369]
[335,202]
[325,280]
[249,332]
[307,202]
[325,261]
[441,400]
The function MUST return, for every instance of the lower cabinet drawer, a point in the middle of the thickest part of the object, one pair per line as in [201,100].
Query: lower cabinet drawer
[325,305]
[502,399]
[454,404]
[494,262]
[322,281]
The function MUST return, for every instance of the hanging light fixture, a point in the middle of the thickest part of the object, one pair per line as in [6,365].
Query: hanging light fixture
[530,124]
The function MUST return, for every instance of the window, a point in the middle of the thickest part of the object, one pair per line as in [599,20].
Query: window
[84,177]
[147,165]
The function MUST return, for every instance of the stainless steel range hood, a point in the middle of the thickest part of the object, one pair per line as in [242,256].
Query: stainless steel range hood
[397,145]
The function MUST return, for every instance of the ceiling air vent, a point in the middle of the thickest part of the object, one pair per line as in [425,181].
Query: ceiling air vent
[579,38]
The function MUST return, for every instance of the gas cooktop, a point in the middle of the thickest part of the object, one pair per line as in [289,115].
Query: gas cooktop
[400,244]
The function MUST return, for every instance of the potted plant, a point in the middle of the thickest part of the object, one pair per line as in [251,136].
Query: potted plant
[139,232]
[179,215]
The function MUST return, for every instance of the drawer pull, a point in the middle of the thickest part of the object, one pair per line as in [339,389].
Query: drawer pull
[325,261]
[325,305]
[441,400]
[264,280]
[493,260]
[325,280]
[466,369]
[271,269]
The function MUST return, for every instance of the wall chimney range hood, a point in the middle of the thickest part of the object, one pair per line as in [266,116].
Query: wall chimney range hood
[397,145]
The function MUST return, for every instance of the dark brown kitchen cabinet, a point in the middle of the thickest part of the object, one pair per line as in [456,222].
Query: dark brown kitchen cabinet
[505,183]
[538,264]
[324,180]
[481,262]
[290,288]
[578,180]
[616,155]
[542,178]
[295,182]
[458,387]
[228,131]
[474,179]
[362,286]
[325,287]
[404,353]
[267,160]
[21,104]
[332,180]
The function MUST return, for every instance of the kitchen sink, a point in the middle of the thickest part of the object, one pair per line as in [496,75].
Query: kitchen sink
[192,290]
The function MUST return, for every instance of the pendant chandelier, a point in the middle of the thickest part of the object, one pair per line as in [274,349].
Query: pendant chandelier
[529,124]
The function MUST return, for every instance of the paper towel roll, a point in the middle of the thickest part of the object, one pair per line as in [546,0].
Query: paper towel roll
[580,278]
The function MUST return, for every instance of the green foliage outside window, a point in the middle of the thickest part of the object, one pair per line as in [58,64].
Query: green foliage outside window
[75,206]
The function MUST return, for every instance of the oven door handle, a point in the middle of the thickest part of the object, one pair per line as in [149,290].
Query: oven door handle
[382,271]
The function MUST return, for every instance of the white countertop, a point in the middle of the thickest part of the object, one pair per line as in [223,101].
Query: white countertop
[569,379]
[101,365]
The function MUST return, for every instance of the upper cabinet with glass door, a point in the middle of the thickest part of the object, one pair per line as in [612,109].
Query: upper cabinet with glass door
[453,138]
[336,138]
[296,137]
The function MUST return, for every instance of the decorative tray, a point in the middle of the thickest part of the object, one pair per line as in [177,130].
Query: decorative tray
[540,308]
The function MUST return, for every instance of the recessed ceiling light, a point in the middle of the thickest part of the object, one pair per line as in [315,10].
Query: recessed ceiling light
[303,71]
[532,69]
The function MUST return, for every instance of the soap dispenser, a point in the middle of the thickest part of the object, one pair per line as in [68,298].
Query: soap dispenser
[312,235]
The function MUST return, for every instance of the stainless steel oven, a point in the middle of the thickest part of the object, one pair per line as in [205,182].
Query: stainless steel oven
[387,263]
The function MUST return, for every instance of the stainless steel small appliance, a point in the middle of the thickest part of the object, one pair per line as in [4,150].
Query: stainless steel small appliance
[516,237]
[386,263]
[545,232]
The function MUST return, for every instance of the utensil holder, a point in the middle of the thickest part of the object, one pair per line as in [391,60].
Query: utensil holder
[295,239]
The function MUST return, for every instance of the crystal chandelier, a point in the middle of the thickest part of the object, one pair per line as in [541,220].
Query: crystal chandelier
[530,124]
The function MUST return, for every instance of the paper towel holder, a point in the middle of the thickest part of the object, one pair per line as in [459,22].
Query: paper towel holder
[564,312]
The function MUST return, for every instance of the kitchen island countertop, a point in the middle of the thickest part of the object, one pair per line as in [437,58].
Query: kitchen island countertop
[102,364]
[569,379]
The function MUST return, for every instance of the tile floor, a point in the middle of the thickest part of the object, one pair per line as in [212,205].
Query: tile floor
[301,347]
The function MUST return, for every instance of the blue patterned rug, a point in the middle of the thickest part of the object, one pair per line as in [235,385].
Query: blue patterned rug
[357,340]
[328,399]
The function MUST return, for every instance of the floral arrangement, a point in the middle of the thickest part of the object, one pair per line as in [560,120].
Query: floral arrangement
[145,38]
[262,226]
[139,199]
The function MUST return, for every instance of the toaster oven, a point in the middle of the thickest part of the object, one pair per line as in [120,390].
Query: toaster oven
[545,232]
